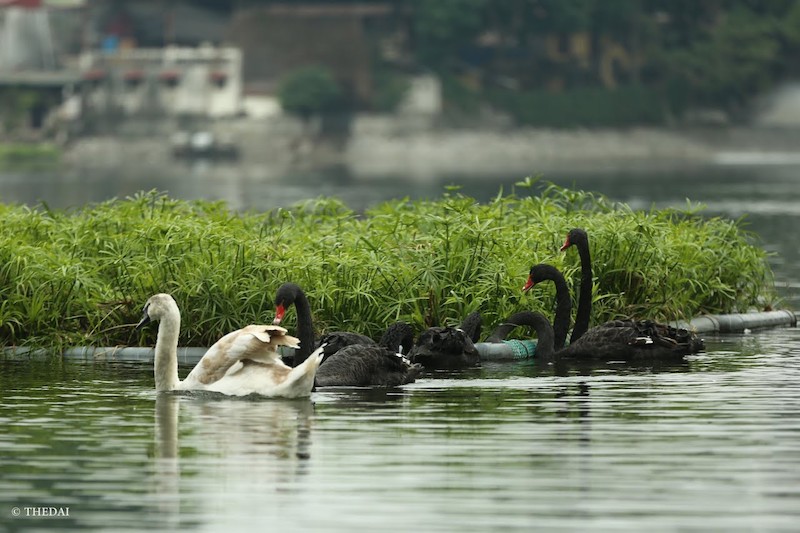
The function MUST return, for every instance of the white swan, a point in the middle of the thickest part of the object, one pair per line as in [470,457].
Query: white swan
[242,362]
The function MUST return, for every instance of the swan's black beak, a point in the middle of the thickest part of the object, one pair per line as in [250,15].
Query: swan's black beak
[144,321]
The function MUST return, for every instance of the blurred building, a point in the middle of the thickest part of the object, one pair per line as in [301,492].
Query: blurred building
[157,82]
[26,41]
[280,37]
[33,75]
[98,64]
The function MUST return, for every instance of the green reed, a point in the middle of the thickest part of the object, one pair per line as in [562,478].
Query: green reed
[81,276]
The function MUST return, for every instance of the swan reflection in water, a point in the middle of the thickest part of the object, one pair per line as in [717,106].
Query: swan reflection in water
[223,441]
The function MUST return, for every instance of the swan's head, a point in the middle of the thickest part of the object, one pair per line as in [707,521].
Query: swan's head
[576,236]
[398,337]
[284,299]
[157,307]
[539,273]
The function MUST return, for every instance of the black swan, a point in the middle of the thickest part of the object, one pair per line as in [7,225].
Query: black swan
[361,365]
[363,362]
[627,340]
[580,239]
[543,272]
[533,319]
[449,347]
[290,294]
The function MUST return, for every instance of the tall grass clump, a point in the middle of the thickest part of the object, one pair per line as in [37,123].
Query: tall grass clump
[80,277]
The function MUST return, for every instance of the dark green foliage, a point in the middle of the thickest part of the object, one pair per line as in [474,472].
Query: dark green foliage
[682,53]
[309,91]
[587,106]
[442,27]
[390,88]
[16,103]
[734,60]
[460,99]
[80,278]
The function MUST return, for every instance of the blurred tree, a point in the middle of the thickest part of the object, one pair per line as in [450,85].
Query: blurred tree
[442,27]
[730,61]
[563,15]
[309,91]
[789,27]
[680,53]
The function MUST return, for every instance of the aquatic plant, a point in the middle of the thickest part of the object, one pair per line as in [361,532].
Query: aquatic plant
[80,276]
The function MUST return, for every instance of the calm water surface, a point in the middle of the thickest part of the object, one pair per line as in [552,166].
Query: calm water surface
[709,445]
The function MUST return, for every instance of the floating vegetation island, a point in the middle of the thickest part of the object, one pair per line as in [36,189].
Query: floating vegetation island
[80,277]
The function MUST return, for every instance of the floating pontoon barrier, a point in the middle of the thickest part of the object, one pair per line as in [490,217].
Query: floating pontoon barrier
[738,322]
[128,354]
[511,350]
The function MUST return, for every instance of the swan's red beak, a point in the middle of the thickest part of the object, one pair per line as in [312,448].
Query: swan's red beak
[529,285]
[280,310]
[566,244]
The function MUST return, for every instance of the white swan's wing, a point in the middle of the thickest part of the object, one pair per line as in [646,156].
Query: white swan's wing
[274,380]
[270,338]
[255,342]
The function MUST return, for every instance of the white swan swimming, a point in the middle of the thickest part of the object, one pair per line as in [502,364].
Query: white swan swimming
[242,362]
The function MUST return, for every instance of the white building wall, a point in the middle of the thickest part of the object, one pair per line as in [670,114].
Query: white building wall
[195,91]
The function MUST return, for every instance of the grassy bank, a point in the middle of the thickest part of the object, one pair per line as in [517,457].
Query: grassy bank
[81,277]
[28,154]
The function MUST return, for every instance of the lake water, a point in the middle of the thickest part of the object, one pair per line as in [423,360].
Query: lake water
[712,444]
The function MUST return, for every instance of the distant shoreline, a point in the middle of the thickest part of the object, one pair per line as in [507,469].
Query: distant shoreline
[378,147]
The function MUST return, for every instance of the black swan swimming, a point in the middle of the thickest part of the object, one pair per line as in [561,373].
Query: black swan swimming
[440,348]
[580,239]
[531,319]
[627,340]
[543,272]
[363,363]
[290,294]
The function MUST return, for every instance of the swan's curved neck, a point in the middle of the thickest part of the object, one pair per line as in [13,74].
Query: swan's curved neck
[544,331]
[398,335]
[544,335]
[166,352]
[501,332]
[563,310]
[585,295]
[472,326]
[305,327]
